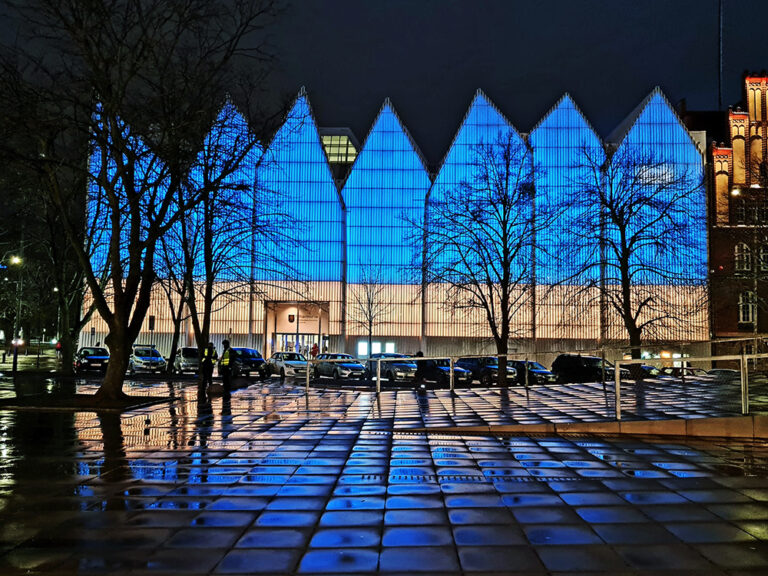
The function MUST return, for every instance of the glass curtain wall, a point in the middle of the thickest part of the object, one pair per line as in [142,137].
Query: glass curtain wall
[466,165]
[564,146]
[384,196]
[674,271]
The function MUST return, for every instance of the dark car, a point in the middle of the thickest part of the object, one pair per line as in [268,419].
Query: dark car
[91,359]
[578,368]
[486,369]
[343,366]
[687,371]
[247,361]
[394,366]
[537,374]
[187,360]
[438,372]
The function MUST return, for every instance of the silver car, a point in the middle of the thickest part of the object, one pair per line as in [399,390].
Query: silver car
[284,364]
[187,360]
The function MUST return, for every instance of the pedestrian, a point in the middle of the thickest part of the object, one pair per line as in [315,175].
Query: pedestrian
[209,358]
[419,376]
[58,349]
[225,370]
[315,350]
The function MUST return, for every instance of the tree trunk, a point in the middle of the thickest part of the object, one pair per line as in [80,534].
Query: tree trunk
[111,388]
[635,335]
[177,320]
[502,347]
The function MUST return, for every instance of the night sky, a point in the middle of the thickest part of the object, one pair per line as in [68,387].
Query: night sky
[429,57]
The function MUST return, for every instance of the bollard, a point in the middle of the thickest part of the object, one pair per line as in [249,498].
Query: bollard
[450,373]
[744,385]
[618,390]
[602,366]
[378,376]
[526,371]
[15,359]
[307,378]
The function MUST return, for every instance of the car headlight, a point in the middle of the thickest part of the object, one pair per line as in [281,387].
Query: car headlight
[84,361]
[344,370]
[138,361]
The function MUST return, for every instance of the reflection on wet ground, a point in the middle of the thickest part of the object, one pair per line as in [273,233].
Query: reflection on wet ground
[274,481]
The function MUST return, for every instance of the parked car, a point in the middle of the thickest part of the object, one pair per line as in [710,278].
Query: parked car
[344,367]
[91,359]
[537,374]
[688,371]
[486,369]
[438,372]
[145,359]
[187,360]
[394,366]
[286,364]
[247,361]
[725,374]
[578,368]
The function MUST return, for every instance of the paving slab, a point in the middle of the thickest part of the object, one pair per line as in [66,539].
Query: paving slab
[277,482]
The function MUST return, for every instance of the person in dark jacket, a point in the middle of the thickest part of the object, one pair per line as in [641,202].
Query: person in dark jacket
[208,360]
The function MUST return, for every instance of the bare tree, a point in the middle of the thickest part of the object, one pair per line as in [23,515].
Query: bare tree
[370,303]
[479,238]
[135,84]
[636,225]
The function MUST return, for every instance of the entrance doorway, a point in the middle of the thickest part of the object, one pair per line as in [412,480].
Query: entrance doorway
[296,327]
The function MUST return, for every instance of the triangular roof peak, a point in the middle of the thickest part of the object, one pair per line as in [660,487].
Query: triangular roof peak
[479,93]
[623,129]
[387,105]
[566,97]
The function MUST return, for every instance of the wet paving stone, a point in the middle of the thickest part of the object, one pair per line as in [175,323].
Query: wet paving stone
[340,483]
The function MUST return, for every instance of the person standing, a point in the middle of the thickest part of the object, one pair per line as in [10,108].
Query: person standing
[209,358]
[225,367]
[315,350]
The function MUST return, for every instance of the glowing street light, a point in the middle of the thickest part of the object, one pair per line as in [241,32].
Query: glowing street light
[15,260]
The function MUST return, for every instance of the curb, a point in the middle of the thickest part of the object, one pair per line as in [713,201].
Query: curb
[754,427]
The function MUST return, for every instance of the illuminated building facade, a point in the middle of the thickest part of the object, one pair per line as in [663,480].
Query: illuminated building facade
[358,212]
[739,218]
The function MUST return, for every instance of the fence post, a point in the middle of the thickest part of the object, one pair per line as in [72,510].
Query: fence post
[602,366]
[618,390]
[307,377]
[744,384]
[378,376]
[450,373]
[527,371]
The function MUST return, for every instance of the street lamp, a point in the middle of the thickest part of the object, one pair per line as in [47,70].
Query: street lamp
[17,341]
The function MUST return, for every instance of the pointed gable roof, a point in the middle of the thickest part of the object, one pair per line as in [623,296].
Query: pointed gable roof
[385,120]
[479,100]
[482,122]
[564,104]
[300,126]
[655,101]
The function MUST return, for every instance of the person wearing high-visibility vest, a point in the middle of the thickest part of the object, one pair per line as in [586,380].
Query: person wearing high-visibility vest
[225,368]
[208,360]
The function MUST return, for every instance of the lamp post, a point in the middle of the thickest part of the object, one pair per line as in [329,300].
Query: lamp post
[16,261]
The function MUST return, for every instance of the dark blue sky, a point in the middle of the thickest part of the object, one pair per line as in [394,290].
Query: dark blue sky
[429,56]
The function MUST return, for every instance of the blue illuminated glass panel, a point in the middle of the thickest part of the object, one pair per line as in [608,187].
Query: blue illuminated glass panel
[658,135]
[385,191]
[295,168]
[483,125]
[561,142]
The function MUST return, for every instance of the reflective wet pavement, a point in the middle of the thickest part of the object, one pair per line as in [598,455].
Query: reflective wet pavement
[272,481]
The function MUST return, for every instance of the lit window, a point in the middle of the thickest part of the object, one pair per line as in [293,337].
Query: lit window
[389,347]
[747,308]
[742,258]
[362,349]
[764,257]
[375,347]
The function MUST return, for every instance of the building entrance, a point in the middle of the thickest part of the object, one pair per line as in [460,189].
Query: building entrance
[296,327]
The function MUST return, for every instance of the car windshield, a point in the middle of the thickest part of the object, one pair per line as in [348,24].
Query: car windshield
[189,352]
[293,357]
[595,362]
[146,352]
[342,357]
[248,352]
[535,366]
[443,362]
[94,352]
